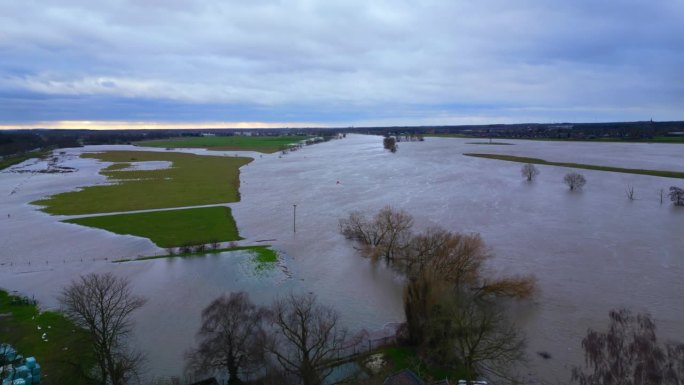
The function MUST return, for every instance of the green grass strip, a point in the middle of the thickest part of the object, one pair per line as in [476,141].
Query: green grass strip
[492,143]
[172,228]
[463,136]
[655,139]
[193,180]
[63,358]
[520,159]
[263,254]
[264,144]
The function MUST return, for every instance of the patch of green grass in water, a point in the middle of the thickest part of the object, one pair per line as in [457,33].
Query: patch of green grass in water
[264,258]
[492,143]
[63,358]
[450,136]
[256,250]
[520,159]
[655,139]
[116,167]
[192,180]
[171,228]
[264,144]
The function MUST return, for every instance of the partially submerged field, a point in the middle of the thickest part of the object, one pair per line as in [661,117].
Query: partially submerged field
[58,346]
[16,159]
[170,228]
[192,180]
[265,144]
[521,159]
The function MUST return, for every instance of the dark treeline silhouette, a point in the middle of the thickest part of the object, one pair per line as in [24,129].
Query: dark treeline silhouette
[572,131]
[19,141]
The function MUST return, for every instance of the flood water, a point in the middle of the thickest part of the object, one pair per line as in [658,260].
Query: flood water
[590,250]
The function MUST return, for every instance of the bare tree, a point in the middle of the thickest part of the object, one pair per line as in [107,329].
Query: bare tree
[661,194]
[458,327]
[230,339]
[390,143]
[630,192]
[456,258]
[395,224]
[357,227]
[102,304]
[629,354]
[384,235]
[677,196]
[307,336]
[574,180]
[529,171]
[485,342]
[439,262]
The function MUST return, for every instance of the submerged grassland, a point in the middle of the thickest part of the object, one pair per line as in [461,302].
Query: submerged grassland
[170,228]
[520,159]
[264,144]
[192,180]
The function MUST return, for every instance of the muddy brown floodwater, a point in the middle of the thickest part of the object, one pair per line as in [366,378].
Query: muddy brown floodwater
[591,250]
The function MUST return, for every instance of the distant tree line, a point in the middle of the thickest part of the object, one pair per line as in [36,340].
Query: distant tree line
[15,142]
[578,131]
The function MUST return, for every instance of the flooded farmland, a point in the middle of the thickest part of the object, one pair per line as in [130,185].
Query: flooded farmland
[591,250]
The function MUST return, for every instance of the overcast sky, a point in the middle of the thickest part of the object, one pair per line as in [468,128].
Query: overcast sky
[338,63]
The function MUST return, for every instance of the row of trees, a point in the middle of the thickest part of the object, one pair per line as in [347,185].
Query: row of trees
[295,339]
[289,342]
[454,311]
[576,181]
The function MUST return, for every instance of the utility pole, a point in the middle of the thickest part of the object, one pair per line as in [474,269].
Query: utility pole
[294,218]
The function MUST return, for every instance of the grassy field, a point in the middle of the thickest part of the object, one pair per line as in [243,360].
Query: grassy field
[172,228]
[667,139]
[193,180]
[265,144]
[62,357]
[511,158]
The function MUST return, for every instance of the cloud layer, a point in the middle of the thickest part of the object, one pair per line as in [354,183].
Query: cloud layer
[346,62]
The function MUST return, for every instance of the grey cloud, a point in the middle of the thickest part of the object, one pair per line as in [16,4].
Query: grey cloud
[542,57]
